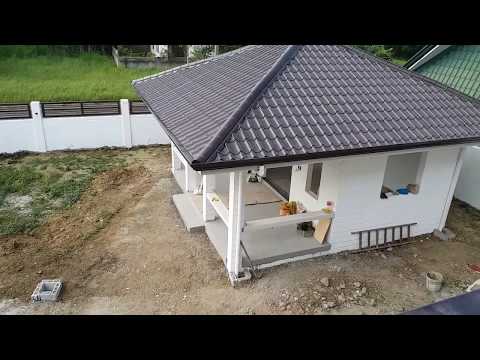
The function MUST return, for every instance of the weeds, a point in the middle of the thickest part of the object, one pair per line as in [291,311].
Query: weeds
[53,182]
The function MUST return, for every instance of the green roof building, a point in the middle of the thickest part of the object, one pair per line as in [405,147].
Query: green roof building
[457,66]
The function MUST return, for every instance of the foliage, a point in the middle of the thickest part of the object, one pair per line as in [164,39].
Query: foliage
[88,76]
[202,52]
[378,50]
[53,182]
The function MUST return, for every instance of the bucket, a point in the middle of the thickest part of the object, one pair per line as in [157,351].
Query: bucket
[434,281]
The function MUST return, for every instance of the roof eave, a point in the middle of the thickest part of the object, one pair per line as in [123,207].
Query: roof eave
[219,165]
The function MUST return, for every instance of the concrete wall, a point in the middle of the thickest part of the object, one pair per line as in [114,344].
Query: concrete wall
[468,186]
[17,135]
[80,132]
[354,185]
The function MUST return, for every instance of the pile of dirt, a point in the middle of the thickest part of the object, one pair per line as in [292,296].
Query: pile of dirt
[59,248]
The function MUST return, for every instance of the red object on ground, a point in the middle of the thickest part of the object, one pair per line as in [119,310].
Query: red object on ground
[473,267]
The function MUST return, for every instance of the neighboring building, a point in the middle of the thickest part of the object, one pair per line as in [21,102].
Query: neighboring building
[332,128]
[178,52]
[457,66]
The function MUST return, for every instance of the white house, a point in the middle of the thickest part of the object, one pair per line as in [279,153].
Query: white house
[369,152]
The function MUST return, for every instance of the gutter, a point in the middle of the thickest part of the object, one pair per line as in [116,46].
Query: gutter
[327,154]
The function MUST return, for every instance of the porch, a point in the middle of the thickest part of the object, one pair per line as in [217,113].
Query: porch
[263,237]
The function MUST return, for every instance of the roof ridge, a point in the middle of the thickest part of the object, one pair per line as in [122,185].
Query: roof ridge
[198,62]
[424,78]
[235,117]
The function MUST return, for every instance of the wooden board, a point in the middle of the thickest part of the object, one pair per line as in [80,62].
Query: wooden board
[321,229]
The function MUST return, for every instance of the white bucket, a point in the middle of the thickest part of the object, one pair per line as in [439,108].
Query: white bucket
[434,281]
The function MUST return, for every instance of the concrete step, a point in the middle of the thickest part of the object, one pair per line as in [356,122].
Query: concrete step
[191,216]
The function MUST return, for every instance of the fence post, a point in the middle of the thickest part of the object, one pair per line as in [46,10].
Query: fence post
[126,123]
[38,128]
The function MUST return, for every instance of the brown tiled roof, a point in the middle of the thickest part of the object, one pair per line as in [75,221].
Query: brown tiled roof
[270,103]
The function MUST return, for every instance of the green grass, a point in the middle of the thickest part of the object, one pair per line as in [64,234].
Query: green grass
[53,182]
[84,77]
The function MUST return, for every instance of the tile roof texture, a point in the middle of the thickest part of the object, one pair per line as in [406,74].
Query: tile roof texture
[270,103]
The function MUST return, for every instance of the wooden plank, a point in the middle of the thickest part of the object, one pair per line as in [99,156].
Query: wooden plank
[279,221]
[321,230]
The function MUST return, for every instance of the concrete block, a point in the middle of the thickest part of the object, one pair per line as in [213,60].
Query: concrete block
[444,235]
[47,290]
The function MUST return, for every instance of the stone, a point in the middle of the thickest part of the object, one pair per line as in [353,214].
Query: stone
[389,249]
[357,284]
[341,298]
[329,304]
[363,291]
[444,235]
[383,256]
[371,302]
[342,285]
[325,281]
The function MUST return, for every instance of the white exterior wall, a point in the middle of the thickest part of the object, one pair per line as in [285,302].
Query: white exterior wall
[80,132]
[17,135]
[468,186]
[83,132]
[354,185]
[146,130]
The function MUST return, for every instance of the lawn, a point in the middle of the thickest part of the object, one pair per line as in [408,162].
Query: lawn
[33,187]
[66,78]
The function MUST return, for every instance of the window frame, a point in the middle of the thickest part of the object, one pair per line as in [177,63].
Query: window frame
[308,183]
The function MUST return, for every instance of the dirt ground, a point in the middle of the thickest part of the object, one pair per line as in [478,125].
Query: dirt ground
[122,249]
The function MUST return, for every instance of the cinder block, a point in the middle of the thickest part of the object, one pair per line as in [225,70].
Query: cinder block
[47,290]
[444,235]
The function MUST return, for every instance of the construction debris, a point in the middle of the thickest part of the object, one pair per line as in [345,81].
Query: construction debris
[47,290]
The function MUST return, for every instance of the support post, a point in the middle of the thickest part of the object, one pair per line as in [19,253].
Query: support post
[38,127]
[208,186]
[176,163]
[451,189]
[126,123]
[236,209]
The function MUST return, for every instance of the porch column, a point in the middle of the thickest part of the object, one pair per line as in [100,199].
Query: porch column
[208,186]
[236,209]
[451,190]
[176,164]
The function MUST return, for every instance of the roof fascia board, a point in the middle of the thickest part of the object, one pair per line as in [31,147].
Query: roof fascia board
[332,154]
[330,159]
[228,126]
[438,49]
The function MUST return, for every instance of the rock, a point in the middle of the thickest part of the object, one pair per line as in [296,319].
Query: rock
[329,304]
[342,285]
[415,255]
[325,281]
[341,298]
[357,284]
[39,272]
[363,291]
[383,256]
[389,249]
[371,302]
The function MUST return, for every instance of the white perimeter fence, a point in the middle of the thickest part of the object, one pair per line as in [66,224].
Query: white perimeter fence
[44,127]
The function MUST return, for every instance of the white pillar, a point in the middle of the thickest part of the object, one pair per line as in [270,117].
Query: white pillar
[208,186]
[126,123]
[451,190]
[176,163]
[235,224]
[38,127]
